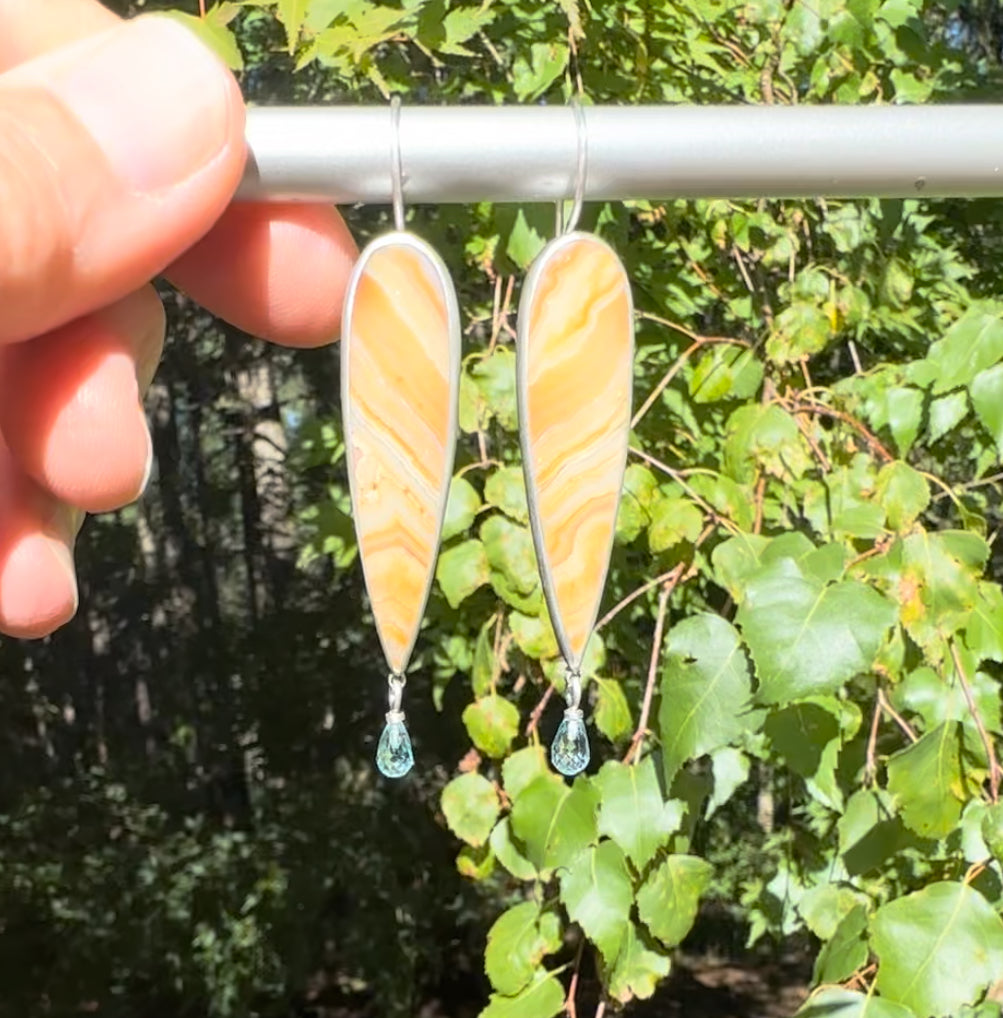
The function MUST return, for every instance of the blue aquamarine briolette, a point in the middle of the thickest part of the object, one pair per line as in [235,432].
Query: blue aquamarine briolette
[394,756]
[569,752]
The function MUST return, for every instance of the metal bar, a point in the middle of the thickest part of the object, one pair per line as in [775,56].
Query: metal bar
[529,153]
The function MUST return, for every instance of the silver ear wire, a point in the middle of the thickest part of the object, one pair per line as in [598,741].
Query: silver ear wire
[396,164]
[566,226]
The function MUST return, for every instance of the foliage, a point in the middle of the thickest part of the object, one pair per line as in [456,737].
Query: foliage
[807,487]
[811,743]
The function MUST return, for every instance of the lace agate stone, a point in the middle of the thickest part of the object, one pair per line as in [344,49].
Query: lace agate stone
[402,339]
[575,376]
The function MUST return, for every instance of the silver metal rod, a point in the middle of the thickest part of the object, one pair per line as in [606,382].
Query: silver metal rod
[342,154]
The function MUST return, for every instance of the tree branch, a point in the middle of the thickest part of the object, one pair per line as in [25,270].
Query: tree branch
[871,767]
[987,742]
[570,1008]
[896,717]
[637,742]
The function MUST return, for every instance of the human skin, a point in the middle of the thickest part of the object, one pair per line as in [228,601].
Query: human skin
[121,144]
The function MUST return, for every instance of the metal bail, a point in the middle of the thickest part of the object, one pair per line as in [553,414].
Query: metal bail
[396,163]
[567,226]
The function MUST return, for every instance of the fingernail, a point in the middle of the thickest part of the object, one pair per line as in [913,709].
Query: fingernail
[64,558]
[148,470]
[157,101]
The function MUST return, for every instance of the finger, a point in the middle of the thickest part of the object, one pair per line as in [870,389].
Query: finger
[70,403]
[117,153]
[38,587]
[275,271]
[27,34]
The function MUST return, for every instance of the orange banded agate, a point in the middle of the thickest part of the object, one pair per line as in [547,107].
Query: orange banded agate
[399,389]
[575,370]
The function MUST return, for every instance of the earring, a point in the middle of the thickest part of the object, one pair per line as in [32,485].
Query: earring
[400,370]
[574,364]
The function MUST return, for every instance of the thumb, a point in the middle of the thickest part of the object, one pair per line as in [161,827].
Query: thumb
[117,153]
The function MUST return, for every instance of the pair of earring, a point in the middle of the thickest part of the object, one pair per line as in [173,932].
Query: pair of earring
[400,373]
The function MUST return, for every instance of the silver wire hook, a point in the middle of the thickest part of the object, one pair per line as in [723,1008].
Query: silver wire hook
[396,164]
[567,226]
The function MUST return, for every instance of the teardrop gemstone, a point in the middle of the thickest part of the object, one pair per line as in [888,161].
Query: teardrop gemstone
[569,752]
[394,756]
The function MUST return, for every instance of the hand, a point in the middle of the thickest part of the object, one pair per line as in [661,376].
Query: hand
[121,144]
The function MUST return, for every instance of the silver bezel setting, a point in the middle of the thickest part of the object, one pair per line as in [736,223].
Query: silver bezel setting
[402,238]
[529,464]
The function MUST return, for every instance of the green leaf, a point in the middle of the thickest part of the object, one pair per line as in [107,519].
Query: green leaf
[462,24]
[533,635]
[725,372]
[806,735]
[597,892]
[938,949]
[904,494]
[493,722]
[506,489]
[736,560]
[482,670]
[667,901]
[946,412]
[512,562]
[638,967]
[495,379]
[523,767]
[291,13]
[632,811]
[926,780]
[936,585]
[987,398]
[729,499]
[870,832]
[972,344]
[843,506]
[992,830]
[705,690]
[937,700]
[845,951]
[533,76]
[461,508]
[640,484]
[517,942]
[213,33]
[509,854]
[984,633]
[612,712]
[730,767]
[461,570]
[835,1002]
[799,331]
[809,637]
[543,998]
[475,863]
[904,410]
[825,905]
[555,822]
[524,242]
[673,520]
[764,437]
[470,804]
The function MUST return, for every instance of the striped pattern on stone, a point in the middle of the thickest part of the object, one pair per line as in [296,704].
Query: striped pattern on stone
[399,389]
[576,352]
